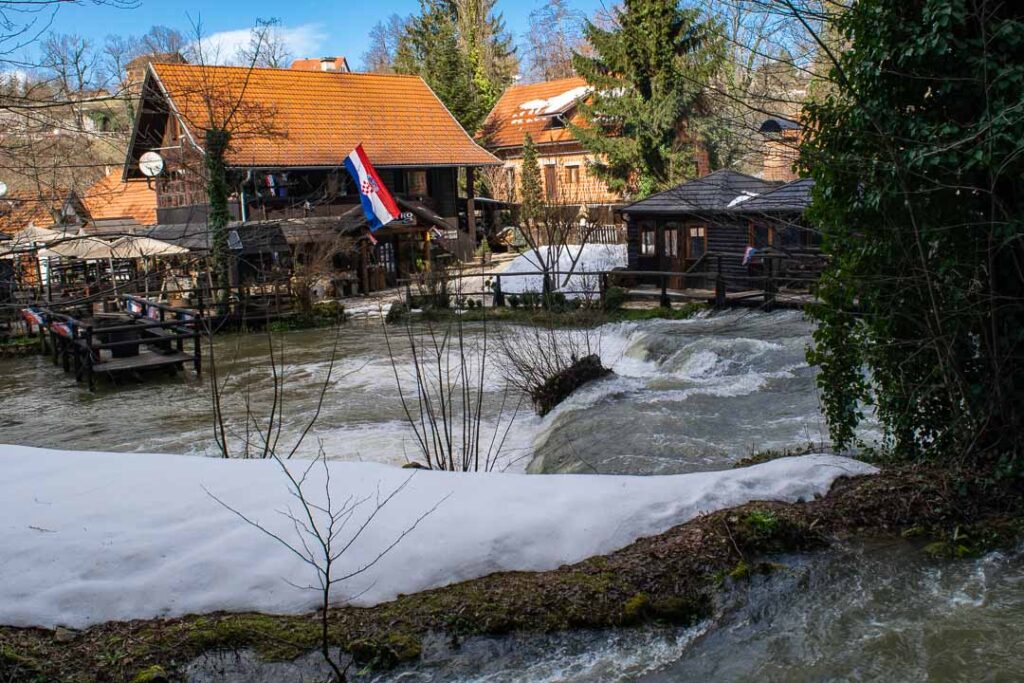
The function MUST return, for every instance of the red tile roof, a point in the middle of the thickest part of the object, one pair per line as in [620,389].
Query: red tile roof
[18,211]
[294,118]
[338,64]
[519,111]
[113,198]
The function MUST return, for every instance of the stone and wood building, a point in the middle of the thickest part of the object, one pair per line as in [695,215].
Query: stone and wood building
[291,130]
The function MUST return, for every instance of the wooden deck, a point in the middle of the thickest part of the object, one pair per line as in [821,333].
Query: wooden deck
[146,360]
[754,298]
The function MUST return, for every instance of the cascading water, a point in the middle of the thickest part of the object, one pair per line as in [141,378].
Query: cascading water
[689,395]
[686,395]
[879,612]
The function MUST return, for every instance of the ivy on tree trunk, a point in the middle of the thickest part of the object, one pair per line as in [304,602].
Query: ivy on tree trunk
[217,140]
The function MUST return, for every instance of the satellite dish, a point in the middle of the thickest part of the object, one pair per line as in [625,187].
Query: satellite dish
[3,188]
[151,164]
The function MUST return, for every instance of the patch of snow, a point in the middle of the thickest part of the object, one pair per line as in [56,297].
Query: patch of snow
[556,104]
[742,198]
[90,537]
[593,258]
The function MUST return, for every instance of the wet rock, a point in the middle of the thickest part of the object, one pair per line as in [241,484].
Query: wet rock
[64,635]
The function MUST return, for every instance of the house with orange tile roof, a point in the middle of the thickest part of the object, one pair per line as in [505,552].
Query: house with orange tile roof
[333,64]
[544,110]
[291,130]
[111,197]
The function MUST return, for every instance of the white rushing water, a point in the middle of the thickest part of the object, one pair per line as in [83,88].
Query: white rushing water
[685,395]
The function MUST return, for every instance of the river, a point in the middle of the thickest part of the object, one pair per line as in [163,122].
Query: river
[684,396]
[874,612]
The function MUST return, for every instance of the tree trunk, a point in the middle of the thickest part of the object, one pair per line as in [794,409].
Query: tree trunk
[217,140]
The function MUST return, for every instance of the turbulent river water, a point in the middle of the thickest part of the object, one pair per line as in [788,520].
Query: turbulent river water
[684,396]
[865,613]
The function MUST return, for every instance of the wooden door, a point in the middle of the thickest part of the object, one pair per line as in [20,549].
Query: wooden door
[672,256]
[551,182]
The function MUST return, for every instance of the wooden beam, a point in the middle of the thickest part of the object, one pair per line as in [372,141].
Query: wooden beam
[470,203]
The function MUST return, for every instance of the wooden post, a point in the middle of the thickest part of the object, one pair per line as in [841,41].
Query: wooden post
[603,287]
[719,286]
[65,346]
[769,285]
[197,338]
[665,301]
[89,358]
[181,342]
[364,269]
[499,296]
[470,205]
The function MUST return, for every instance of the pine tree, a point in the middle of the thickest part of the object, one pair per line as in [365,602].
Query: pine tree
[530,191]
[648,74]
[460,48]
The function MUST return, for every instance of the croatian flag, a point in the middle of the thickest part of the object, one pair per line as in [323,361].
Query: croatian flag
[378,204]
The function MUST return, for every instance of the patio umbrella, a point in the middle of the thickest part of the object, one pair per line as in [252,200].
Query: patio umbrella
[81,246]
[137,246]
[28,239]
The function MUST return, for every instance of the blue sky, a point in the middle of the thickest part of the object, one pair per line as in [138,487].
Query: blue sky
[313,29]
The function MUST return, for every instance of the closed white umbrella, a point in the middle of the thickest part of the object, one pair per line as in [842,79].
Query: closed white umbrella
[137,246]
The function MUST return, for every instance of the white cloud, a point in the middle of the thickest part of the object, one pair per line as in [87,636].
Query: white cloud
[304,40]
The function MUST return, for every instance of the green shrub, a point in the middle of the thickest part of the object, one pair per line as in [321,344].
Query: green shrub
[614,297]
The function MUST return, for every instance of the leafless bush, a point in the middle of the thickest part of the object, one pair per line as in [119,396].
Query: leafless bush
[322,534]
[531,356]
[443,395]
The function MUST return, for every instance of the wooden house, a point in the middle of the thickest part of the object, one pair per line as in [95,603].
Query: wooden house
[544,111]
[708,224]
[291,130]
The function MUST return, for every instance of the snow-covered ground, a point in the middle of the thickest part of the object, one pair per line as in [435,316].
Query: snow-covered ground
[593,258]
[87,537]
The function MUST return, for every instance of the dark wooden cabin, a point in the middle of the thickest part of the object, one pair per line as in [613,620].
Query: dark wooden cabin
[290,133]
[707,225]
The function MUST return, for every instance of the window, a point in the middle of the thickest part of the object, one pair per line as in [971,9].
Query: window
[761,236]
[647,238]
[416,182]
[696,241]
[572,174]
[671,242]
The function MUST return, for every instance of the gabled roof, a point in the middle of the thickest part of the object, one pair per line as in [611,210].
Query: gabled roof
[111,197]
[794,196]
[534,109]
[18,211]
[723,190]
[294,118]
[331,64]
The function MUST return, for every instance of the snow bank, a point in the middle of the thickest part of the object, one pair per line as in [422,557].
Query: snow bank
[594,258]
[90,537]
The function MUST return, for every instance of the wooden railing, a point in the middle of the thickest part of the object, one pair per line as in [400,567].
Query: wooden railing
[77,344]
[724,288]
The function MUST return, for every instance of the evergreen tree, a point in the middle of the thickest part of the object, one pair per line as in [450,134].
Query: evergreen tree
[648,75]
[530,190]
[461,50]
